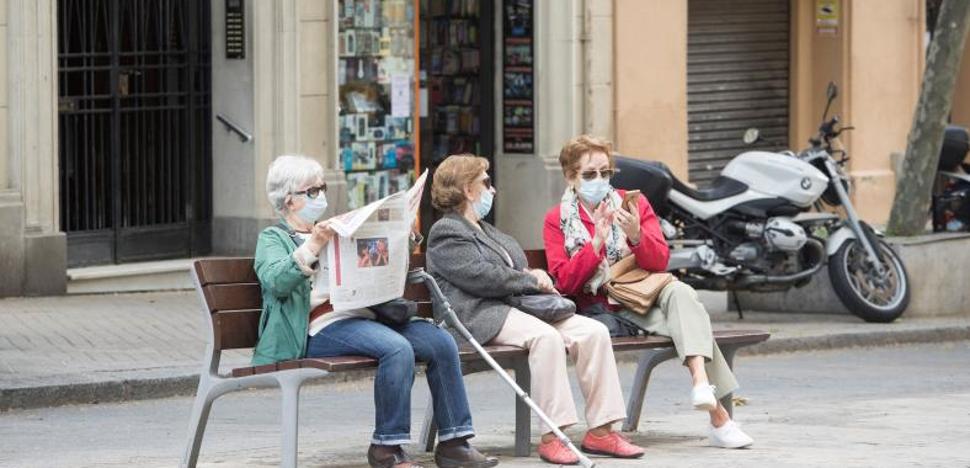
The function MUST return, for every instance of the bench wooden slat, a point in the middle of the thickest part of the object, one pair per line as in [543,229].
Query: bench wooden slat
[741,336]
[468,354]
[417,292]
[235,329]
[239,296]
[536,259]
[225,270]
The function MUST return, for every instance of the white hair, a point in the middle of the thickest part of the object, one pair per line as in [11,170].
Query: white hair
[287,174]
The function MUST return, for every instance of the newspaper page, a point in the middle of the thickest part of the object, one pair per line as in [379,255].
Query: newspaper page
[369,256]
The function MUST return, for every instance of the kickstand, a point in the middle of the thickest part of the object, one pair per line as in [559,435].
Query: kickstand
[737,304]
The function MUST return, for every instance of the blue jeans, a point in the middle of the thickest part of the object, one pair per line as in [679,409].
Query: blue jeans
[396,348]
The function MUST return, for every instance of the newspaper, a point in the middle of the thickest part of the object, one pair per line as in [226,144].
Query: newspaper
[369,254]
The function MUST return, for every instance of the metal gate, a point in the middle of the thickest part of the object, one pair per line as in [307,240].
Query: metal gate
[134,129]
[737,77]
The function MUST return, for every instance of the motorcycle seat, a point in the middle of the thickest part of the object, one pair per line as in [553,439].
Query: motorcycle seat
[720,188]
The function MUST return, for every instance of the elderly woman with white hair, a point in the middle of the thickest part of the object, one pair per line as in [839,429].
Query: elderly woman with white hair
[297,321]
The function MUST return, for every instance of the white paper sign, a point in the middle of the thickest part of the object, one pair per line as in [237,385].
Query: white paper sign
[400,96]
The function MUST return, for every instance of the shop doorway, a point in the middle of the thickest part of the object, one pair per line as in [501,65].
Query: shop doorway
[134,129]
[737,77]
[458,61]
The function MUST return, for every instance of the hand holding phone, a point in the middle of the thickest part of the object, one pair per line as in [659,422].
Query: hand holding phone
[630,199]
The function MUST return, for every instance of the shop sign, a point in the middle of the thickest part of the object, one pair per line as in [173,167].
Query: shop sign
[827,17]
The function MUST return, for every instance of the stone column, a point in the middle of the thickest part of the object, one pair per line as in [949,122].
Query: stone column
[529,184]
[598,51]
[281,93]
[31,161]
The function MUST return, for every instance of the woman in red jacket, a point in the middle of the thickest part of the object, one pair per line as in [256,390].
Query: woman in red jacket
[589,231]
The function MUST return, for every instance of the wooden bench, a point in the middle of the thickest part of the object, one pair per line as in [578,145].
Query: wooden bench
[230,293]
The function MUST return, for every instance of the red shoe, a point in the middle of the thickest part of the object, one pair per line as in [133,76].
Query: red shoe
[612,444]
[557,453]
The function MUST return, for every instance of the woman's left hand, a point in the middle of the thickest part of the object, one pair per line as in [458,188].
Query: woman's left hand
[544,281]
[630,223]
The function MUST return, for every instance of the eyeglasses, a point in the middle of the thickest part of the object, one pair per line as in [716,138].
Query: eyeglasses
[604,173]
[487,182]
[313,192]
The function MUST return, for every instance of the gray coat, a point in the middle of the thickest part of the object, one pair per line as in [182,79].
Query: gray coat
[473,273]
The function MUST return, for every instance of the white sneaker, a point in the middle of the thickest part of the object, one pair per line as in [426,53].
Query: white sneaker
[730,436]
[702,397]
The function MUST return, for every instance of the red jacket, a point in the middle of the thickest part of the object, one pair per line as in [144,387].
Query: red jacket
[570,274]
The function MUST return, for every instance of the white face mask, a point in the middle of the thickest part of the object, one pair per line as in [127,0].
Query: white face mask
[484,204]
[313,209]
[594,191]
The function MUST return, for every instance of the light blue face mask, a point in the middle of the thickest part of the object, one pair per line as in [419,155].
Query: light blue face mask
[313,210]
[484,204]
[594,191]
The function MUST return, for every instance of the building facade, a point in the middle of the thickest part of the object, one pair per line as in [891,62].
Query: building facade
[193,111]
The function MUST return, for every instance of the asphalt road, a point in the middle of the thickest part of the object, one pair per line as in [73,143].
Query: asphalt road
[890,406]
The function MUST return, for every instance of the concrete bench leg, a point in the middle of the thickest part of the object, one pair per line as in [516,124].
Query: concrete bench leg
[648,360]
[290,389]
[727,401]
[523,415]
[197,422]
[429,428]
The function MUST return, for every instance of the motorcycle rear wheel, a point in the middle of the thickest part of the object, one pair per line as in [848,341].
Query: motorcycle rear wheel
[866,294]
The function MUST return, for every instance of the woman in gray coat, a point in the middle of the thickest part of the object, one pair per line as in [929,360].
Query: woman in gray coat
[478,267]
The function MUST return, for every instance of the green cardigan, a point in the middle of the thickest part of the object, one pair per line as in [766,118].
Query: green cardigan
[285,318]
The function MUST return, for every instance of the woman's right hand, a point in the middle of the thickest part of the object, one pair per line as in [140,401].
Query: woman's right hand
[602,221]
[320,236]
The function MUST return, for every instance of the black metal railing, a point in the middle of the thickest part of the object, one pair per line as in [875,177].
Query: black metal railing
[134,127]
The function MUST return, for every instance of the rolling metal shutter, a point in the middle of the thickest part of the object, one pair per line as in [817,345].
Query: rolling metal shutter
[737,77]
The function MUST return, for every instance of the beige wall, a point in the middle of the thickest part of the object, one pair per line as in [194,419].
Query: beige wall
[878,75]
[884,81]
[650,94]
[816,59]
[961,95]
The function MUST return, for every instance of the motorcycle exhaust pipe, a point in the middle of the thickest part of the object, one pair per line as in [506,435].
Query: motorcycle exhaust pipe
[754,280]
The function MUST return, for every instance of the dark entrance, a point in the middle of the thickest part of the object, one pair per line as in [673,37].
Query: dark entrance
[134,129]
[457,47]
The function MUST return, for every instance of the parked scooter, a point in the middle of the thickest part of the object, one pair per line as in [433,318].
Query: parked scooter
[951,191]
[752,229]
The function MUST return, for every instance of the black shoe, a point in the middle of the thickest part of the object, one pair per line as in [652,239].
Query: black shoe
[397,457]
[461,456]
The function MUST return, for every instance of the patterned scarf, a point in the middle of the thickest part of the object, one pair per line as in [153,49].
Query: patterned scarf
[577,236]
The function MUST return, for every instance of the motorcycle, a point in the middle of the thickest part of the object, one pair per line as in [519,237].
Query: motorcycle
[754,229]
[951,191]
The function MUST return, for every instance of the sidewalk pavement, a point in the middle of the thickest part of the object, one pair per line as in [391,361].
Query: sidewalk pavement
[116,347]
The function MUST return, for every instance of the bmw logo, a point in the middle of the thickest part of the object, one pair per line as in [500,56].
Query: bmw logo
[806,183]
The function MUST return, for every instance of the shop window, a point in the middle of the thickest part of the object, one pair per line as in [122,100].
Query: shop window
[376,77]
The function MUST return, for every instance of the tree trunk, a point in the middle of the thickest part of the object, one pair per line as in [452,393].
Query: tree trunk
[915,183]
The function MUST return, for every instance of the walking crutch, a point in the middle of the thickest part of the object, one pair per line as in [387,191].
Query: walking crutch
[418,275]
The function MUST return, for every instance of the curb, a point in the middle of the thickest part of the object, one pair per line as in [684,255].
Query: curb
[185,385]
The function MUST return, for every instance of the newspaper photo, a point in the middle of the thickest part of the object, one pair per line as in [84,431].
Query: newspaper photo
[369,256]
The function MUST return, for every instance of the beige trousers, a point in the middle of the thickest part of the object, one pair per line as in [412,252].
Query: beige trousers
[588,342]
[679,315]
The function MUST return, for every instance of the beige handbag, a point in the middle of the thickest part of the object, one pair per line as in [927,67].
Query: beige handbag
[634,287]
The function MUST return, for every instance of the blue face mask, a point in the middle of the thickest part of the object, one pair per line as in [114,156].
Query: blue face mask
[594,191]
[484,204]
[313,210]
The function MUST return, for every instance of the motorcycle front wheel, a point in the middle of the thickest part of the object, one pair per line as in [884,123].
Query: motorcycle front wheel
[867,294]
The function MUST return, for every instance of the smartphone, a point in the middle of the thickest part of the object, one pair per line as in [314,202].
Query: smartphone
[630,200]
